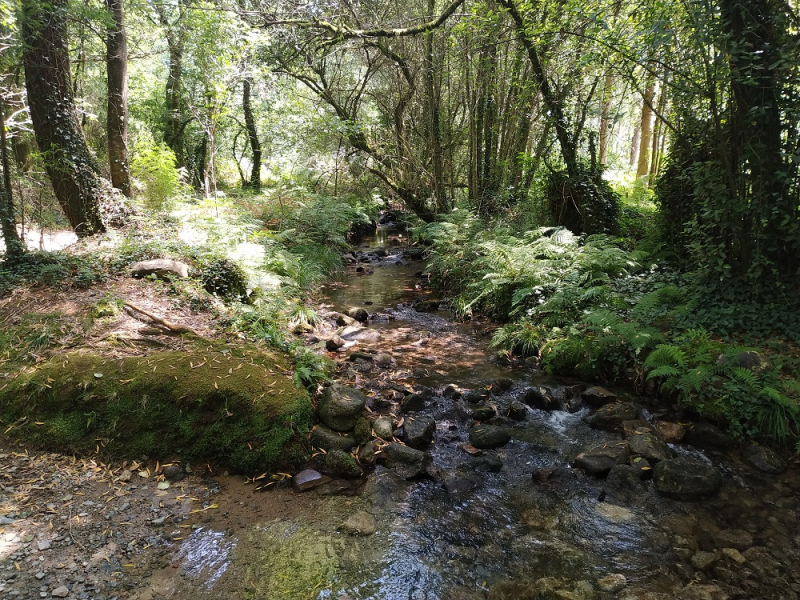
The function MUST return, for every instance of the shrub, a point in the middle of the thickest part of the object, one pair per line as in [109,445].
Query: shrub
[153,166]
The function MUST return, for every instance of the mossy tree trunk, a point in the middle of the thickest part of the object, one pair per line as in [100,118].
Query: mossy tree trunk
[117,121]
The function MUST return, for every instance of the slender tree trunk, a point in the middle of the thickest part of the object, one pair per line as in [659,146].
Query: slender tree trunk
[173,99]
[55,121]
[655,159]
[634,155]
[605,118]
[14,245]
[252,135]
[646,129]
[434,122]
[117,69]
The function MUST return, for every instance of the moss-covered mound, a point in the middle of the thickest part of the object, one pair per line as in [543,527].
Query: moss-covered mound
[238,407]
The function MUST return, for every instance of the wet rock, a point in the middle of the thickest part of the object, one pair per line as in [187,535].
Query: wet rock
[308,480]
[476,396]
[345,321]
[413,403]
[385,360]
[695,591]
[350,332]
[418,432]
[501,385]
[61,591]
[357,355]
[733,538]
[451,391]
[670,432]
[161,267]
[174,473]
[327,439]
[611,416]
[623,483]
[360,523]
[359,314]
[458,485]
[383,428]
[707,437]
[596,396]
[407,462]
[488,436]
[334,487]
[341,406]
[340,464]
[598,461]
[703,561]
[642,466]
[490,463]
[362,431]
[649,446]
[541,398]
[426,305]
[334,343]
[366,456]
[760,560]
[517,411]
[484,413]
[685,479]
[612,583]
[734,555]
[763,459]
[636,426]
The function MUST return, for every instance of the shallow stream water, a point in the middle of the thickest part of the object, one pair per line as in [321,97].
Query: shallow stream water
[512,523]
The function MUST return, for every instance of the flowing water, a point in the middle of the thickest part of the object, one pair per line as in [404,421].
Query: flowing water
[516,522]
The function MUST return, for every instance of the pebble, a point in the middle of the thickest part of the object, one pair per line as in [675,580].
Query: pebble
[40,575]
[612,583]
[60,592]
[43,545]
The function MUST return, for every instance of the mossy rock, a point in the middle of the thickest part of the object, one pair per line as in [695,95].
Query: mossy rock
[237,407]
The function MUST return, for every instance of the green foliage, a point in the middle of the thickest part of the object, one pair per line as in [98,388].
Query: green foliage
[154,169]
[223,277]
[584,203]
[51,268]
[707,376]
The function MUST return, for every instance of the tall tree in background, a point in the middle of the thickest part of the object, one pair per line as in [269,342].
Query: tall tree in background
[117,68]
[69,165]
[252,134]
[14,245]
[172,19]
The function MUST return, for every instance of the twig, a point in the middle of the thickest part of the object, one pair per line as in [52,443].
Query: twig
[163,322]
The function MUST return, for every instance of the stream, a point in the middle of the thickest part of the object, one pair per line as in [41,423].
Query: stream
[515,522]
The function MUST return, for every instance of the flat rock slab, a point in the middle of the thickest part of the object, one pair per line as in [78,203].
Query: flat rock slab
[162,268]
[598,461]
[611,416]
[360,523]
[649,446]
[308,480]
[685,479]
[765,460]
[597,396]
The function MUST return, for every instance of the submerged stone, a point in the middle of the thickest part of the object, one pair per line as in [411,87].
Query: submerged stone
[685,479]
[488,436]
[407,462]
[418,431]
[598,461]
[763,459]
[597,396]
[611,416]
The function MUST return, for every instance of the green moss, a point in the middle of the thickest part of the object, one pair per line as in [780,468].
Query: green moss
[362,431]
[237,407]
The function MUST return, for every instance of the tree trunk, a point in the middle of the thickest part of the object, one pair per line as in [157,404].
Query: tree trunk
[14,245]
[434,119]
[646,128]
[55,121]
[252,135]
[634,155]
[173,97]
[117,68]
[605,118]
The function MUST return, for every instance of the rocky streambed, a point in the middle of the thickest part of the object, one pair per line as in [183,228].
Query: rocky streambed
[442,473]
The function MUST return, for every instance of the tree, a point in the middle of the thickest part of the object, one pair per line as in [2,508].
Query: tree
[117,116]
[69,165]
[14,245]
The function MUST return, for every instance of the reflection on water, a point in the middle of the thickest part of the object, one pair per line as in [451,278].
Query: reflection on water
[205,552]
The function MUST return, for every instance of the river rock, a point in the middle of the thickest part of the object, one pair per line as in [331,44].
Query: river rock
[623,483]
[350,332]
[413,403]
[476,396]
[488,436]
[612,583]
[427,305]
[707,437]
[695,591]
[384,360]
[308,479]
[344,320]
[733,538]
[670,432]
[763,459]
[685,479]
[174,473]
[598,461]
[334,343]
[611,416]
[517,411]
[341,406]
[642,466]
[327,439]
[162,268]
[340,464]
[383,428]
[501,385]
[484,413]
[636,426]
[452,392]
[541,398]
[366,456]
[407,462]
[60,592]
[459,485]
[597,396]
[648,446]
[418,432]
[360,523]
[359,314]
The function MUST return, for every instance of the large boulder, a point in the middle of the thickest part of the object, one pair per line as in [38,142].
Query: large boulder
[408,463]
[418,432]
[685,479]
[598,461]
[488,436]
[649,446]
[611,416]
[597,396]
[763,459]
[341,406]
[163,268]
[670,432]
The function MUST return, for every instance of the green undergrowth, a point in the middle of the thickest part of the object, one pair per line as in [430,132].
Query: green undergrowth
[233,406]
[588,307]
